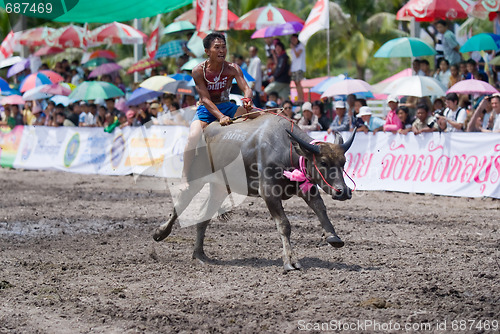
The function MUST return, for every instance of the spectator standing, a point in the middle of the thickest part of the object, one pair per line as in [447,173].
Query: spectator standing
[298,67]
[415,67]
[280,80]
[450,44]
[474,72]
[425,68]
[255,70]
[110,105]
[454,116]
[454,76]
[341,122]
[443,72]
[269,46]
[392,121]
[439,49]
[309,121]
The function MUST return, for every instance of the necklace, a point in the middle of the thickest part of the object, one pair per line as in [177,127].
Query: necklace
[216,79]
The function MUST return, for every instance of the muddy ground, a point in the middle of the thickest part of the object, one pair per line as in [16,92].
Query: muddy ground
[77,256]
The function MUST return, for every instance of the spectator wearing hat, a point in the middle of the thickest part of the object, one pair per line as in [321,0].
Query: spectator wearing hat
[371,123]
[392,121]
[454,116]
[309,121]
[341,122]
[271,104]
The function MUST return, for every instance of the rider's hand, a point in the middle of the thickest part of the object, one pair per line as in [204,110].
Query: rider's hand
[225,120]
[247,103]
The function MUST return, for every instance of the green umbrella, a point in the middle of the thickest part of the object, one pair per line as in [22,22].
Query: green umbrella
[481,42]
[191,64]
[405,47]
[178,26]
[92,90]
[96,62]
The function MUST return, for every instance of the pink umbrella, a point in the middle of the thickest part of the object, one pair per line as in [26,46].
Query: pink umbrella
[55,89]
[104,69]
[346,87]
[190,16]
[267,16]
[12,99]
[69,37]
[53,76]
[472,86]
[35,36]
[117,33]
[284,29]
[48,50]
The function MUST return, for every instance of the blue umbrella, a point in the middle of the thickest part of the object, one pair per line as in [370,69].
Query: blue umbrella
[171,49]
[481,42]
[61,99]
[246,75]
[5,88]
[18,67]
[142,95]
[323,85]
[181,76]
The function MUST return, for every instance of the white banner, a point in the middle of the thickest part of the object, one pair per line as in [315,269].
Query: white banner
[453,164]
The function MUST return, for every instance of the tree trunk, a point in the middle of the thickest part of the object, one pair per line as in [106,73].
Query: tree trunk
[361,71]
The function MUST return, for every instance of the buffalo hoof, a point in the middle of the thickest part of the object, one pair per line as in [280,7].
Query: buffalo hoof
[335,241]
[161,233]
[201,257]
[289,267]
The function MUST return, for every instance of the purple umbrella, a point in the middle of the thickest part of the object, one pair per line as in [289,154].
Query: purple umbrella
[104,69]
[287,28]
[18,68]
[472,86]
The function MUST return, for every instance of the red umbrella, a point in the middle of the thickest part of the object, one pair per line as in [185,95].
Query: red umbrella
[53,76]
[267,16]
[103,54]
[190,16]
[48,50]
[36,36]
[430,10]
[117,33]
[484,9]
[143,64]
[104,69]
[69,37]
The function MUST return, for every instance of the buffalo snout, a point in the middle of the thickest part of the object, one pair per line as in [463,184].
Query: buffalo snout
[342,194]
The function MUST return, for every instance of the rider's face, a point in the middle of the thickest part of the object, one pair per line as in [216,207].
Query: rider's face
[218,50]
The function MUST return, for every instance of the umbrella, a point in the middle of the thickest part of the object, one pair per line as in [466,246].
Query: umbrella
[266,16]
[178,26]
[96,62]
[323,85]
[70,36]
[104,69]
[284,29]
[179,87]
[4,85]
[48,50]
[13,99]
[117,33]
[379,87]
[404,47]
[143,64]
[18,67]
[142,95]
[36,36]
[10,61]
[126,62]
[156,83]
[53,76]
[484,9]
[416,85]
[346,87]
[34,80]
[430,10]
[56,89]
[171,49]
[191,64]
[91,90]
[181,76]
[103,54]
[472,86]
[61,99]
[190,16]
[36,94]
[481,42]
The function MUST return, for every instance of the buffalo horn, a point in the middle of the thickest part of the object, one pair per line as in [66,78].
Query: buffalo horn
[304,144]
[345,146]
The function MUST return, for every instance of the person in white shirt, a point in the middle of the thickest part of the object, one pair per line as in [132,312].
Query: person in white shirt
[255,70]
[454,116]
[298,67]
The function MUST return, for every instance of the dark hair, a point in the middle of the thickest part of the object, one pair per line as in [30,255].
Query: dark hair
[472,62]
[60,114]
[424,61]
[175,105]
[452,97]
[273,93]
[363,102]
[443,60]
[319,104]
[407,112]
[207,41]
[442,22]
[93,105]
[421,106]
[60,105]
[281,45]
[285,102]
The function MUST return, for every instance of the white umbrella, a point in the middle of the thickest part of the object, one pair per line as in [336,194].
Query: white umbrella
[10,61]
[416,85]
[35,94]
[346,87]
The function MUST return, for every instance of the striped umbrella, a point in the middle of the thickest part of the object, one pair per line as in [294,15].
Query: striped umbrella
[143,64]
[267,16]
[34,80]
[117,33]
[171,49]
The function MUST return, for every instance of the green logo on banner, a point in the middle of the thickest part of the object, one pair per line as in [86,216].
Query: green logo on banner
[71,150]
[45,9]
